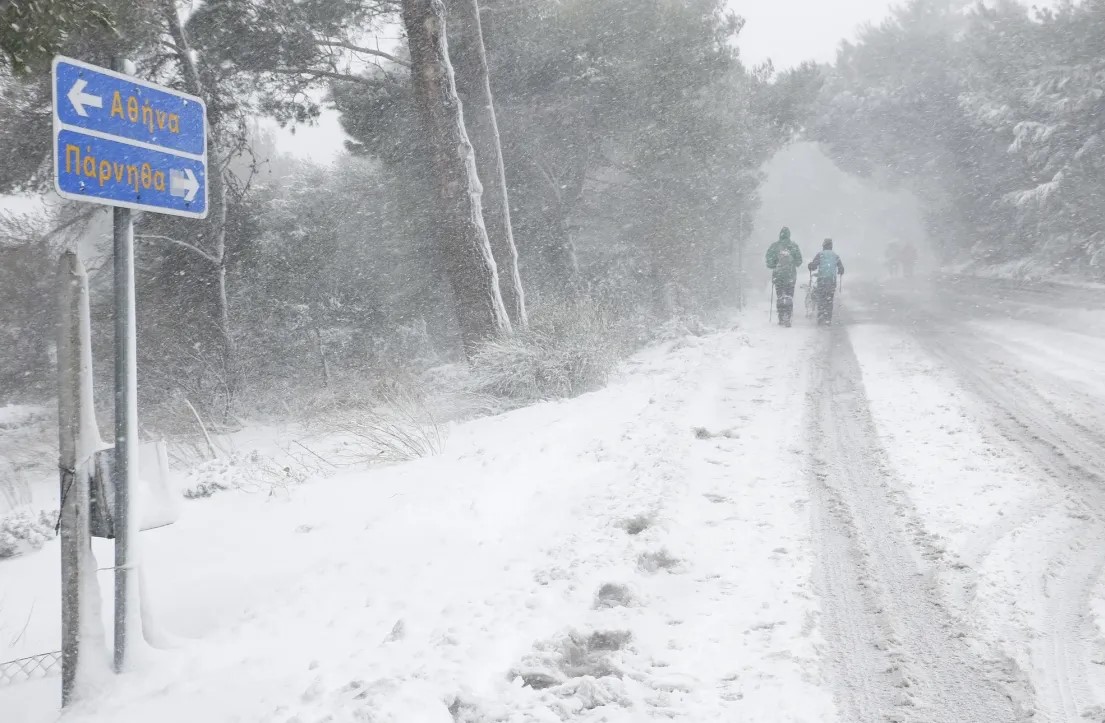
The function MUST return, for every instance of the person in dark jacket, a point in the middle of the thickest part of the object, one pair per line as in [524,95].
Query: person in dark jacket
[826,267]
[783,258]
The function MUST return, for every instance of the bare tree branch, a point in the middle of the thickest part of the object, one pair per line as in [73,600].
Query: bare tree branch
[322,74]
[546,173]
[367,51]
[183,244]
[80,217]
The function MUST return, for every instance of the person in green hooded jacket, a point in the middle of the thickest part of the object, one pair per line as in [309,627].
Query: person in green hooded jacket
[783,258]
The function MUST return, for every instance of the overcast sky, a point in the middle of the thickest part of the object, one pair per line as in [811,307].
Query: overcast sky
[790,31]
[786,31]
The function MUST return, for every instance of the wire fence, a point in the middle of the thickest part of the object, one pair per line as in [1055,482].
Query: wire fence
[32,668]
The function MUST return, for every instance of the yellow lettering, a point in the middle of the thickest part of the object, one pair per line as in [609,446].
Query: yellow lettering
[159,180]
[75,152]
[161,118]
[174,123]
[147,115]
[105,172]
[147,175]
[89,165]
[118,168]
[117,105]
[132,109]
[133,177]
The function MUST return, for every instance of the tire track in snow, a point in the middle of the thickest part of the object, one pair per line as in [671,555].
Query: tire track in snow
[859,659]
[1067,451]
[877,590]
[1031,413]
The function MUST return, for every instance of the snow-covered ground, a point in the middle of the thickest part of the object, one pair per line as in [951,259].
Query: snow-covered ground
[897,519]
[989,412]
[643,551]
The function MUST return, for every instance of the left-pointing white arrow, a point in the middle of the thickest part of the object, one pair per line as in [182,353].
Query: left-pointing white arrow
[183,184]
[80,99]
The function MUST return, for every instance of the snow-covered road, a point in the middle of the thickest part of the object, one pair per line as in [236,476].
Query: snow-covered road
[899,652]
[1015,502]
[900,518]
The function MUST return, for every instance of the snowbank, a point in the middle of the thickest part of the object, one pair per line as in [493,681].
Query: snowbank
[636,552]
[1026,271]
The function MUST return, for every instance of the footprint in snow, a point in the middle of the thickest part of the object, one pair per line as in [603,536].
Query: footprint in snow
[561,662]
[638,524]
[653,562]
[614,595]
[703,433]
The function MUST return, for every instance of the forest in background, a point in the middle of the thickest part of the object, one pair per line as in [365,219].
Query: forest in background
[632,138]
[993,114]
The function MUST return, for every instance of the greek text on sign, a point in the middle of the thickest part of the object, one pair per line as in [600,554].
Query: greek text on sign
[121,141]
[108,170]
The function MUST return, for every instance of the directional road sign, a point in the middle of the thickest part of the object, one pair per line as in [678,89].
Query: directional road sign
[122,141]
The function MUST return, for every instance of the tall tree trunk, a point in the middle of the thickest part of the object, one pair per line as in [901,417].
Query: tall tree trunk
[563,194]
[216,197]
[467,51]
[469,259]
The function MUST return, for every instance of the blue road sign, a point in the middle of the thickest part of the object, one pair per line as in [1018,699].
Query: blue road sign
[105,171]
[122,141]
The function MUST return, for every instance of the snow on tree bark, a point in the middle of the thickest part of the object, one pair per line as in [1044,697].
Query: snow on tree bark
[84,648]
[461,233]
[474,90]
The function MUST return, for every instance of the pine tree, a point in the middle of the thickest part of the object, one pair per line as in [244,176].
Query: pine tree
[474,90]
[461,234]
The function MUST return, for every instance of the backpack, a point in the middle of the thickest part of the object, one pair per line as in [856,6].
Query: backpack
[826,270]
[784,260]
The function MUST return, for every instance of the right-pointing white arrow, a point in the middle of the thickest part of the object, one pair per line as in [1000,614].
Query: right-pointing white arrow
[80,99]
[183,184]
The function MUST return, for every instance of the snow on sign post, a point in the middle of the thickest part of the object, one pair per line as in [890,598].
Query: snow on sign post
[130,144]
[124,142]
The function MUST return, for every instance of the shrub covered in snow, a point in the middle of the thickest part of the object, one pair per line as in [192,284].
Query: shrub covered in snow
[249,472]
[28,449]
[568,350]
[13,487]
[681,327]
[24,531]
[399,427]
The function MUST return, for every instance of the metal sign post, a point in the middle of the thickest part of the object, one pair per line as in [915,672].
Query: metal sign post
[126,426]
[127,143]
